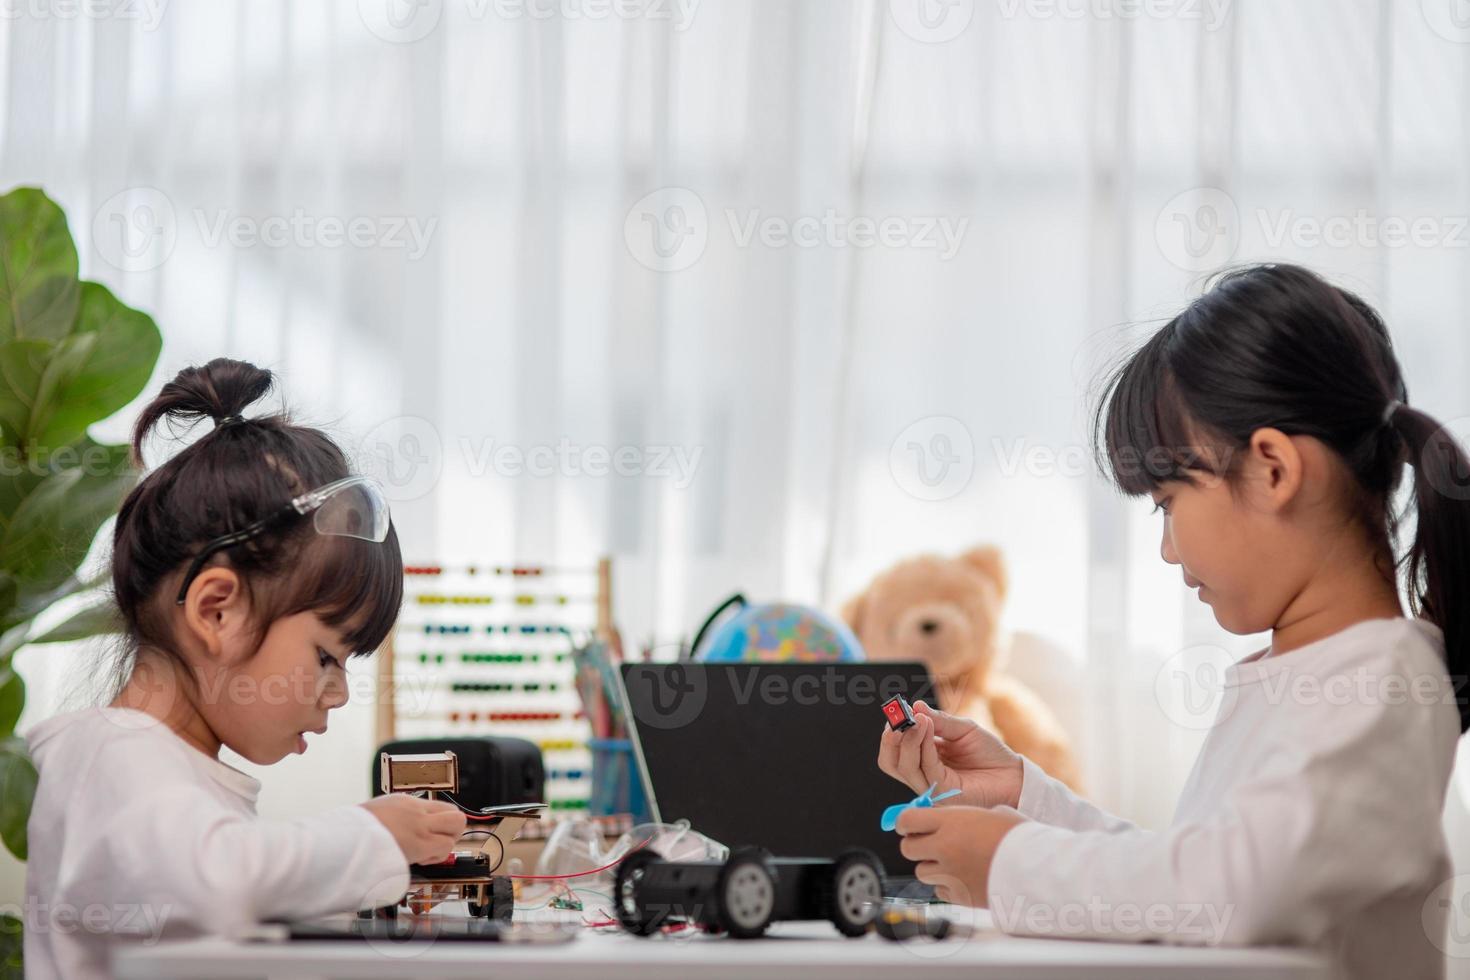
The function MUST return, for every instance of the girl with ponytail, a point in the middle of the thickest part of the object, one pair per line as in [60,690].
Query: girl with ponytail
[1270,424]
[247,569]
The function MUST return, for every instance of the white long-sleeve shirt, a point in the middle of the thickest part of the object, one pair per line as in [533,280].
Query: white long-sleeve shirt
[136,835]
[1311,817]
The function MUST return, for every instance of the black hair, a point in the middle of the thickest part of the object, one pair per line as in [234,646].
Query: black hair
[240,472]
[1277,346]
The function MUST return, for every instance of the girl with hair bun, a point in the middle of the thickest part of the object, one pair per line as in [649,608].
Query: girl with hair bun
[246,569]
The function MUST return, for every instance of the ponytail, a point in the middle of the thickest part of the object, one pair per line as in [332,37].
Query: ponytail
[1438,561]
[218,390]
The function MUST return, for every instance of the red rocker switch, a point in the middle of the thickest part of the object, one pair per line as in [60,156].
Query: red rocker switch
[900,716]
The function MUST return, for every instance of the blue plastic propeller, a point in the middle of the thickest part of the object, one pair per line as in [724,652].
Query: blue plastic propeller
[926,798]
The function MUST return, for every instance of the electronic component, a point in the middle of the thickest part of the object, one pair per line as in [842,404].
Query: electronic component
[900,924]
[468,874]
[404,773]
[900,716]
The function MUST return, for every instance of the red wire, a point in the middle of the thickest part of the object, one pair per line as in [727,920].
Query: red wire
[470,815]
[581,874]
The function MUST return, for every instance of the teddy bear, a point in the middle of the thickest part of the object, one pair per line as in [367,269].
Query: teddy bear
[945,613]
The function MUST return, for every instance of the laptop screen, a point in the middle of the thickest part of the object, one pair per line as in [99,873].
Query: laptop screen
[779,755]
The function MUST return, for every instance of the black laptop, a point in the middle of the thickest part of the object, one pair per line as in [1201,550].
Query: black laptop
[779,755]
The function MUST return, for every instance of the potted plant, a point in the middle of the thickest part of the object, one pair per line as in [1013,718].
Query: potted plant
[71,354]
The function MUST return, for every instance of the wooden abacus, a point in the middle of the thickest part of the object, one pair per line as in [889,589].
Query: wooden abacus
[486,650]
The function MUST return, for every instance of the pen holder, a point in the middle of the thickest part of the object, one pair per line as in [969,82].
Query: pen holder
[616,784]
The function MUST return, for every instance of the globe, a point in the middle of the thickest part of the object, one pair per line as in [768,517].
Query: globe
[779,631]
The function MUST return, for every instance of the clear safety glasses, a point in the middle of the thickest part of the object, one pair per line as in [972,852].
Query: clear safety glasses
[353,508]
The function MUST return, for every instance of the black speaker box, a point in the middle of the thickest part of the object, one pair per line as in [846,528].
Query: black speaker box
[493,770]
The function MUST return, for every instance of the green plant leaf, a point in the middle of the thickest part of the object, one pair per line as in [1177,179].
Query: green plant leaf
[38,268]
[12,638]
[22,365]
[94,620]
[12,700]
[8,592]
[28,605]
[17,792]
[53,527]
[101,367]
[12,947]
[18,477]
[66,361]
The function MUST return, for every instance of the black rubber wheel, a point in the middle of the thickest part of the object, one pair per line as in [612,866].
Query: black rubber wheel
[502,898]
[745,895]
[857,891]
[631,914]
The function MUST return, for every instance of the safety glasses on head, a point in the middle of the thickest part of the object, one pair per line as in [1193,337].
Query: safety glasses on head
[354,507]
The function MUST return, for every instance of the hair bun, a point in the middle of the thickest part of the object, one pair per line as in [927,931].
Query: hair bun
[217,390]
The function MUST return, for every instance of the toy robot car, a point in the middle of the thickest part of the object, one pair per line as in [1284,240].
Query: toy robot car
[469,873]
[745,894]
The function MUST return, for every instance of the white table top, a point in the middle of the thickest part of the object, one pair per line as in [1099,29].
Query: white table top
[814,950]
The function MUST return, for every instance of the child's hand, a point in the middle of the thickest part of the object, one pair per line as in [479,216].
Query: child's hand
[953,846]
[426,830]
[954,752]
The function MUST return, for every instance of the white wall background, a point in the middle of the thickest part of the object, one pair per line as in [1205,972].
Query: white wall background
[1098,160]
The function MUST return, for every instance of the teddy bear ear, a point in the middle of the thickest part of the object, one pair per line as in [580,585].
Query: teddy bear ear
[852,611]
[987,560]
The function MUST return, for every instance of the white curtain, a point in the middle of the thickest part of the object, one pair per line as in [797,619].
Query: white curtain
[855,264]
